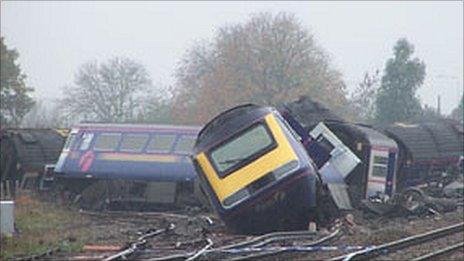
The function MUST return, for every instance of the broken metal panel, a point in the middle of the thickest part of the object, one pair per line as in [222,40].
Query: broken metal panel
[331,176]
[335,162]
[341,157]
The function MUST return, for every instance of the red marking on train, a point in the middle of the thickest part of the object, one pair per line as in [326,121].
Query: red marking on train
[381,148]
[376,181]
[86,160]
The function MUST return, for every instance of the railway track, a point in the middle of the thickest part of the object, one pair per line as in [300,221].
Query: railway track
[394,246]
[246,249]
[440,253]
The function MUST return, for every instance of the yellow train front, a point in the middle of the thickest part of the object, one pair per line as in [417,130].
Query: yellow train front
[255,171]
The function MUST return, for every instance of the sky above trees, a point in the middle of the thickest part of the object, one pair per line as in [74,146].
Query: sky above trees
[55,38]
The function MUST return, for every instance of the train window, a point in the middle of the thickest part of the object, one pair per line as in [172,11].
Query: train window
[107,141]
[380,160]
[86,140]
[244,147]
[70,141]
[325,144]
[379,171]
[185,144]
[133,142]
[161,143]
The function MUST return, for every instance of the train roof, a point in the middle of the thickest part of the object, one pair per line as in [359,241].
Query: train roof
[32,148]
[433,140]
[309,112]
[135,127]
[229,122]
[365,132]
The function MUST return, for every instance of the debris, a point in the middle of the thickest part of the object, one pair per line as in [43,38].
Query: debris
[378,207]
[349,218]
[454,190]
[312,227]
[192,226]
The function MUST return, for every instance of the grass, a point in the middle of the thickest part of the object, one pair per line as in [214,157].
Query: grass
[42,226]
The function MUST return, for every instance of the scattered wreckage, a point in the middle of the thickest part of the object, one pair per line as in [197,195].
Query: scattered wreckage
[261,169]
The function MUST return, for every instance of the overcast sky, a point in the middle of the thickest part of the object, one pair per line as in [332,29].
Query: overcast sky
[55,38]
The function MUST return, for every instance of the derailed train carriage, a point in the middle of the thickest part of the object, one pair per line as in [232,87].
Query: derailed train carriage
[251,165]
[128,166]
[431,152]
[25,152]
[376,171]
[255,191]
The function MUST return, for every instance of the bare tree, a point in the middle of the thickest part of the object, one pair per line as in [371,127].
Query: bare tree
[363,98]
[45,114]
[267,60]
[107,92]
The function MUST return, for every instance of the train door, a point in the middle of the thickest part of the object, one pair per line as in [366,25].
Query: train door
[391,173]
[378,172]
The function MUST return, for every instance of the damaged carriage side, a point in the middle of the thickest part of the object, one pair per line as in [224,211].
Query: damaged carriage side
[109,165]
[354,161]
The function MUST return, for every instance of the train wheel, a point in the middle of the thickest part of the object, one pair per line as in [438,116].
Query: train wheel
[412,200]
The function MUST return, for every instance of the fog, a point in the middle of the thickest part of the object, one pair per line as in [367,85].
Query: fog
[55,38]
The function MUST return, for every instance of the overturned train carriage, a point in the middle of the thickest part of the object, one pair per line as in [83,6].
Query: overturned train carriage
[429,151]
[255,171]
[25,152]
[373,170]
[376,174]
[128,166]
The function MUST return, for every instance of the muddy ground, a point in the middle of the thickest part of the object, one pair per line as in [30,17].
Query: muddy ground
[111,232]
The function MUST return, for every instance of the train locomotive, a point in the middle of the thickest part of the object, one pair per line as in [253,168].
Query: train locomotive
[250,164]
[127,166]
[265,169]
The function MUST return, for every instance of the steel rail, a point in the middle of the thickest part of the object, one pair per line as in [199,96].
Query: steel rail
[141,241]
[327,238]
[400,244]
[440,252]
[261,240]
[268,238]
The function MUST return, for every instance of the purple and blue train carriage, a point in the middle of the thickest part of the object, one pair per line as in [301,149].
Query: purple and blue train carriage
[128,166]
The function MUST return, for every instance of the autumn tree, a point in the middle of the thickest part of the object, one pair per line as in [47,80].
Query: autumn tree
[403,75]
[14,93]
[267,60]
[363,98]
[106,92]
